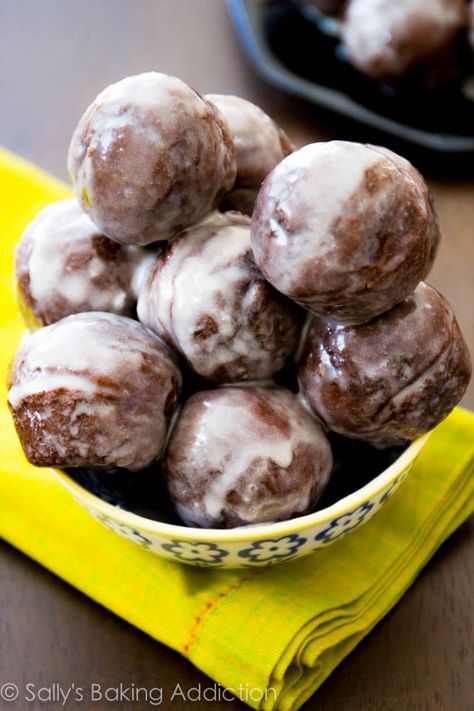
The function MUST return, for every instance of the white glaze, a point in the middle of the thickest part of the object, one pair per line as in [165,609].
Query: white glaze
[200,280]
[142,264]
[188,285]
[125,104]
[310,181]
[55,359]
[256,138]
[45,382]
[398,376]
[65,272]
[143,136]
[146,90]
[250,440]
[345,229]
[386,34]
[230,438]
[378,359]
[93,389]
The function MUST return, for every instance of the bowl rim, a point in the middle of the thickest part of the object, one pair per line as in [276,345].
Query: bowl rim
[253,531]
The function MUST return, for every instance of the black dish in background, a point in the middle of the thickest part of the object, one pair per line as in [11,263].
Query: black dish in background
[289,50]
[144,493]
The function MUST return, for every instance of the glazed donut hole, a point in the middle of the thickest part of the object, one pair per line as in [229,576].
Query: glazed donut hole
[93,390]
[149,157]
[389,380]
[240,456]
[64,265]
[385,39]
[260,144]
[344,229]
[208,300]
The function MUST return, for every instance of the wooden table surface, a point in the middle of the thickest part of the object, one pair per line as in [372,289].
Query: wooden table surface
[55,56]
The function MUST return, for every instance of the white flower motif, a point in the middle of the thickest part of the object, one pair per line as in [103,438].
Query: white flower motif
[345,523]
[196,551]
[392,488]
[273,548]
[124,531]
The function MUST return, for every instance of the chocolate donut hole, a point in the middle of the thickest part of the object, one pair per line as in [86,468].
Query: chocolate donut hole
[208,300]
[149,157]
[93,390]
[389,380]
[245,455]
[344,229]
[64,265]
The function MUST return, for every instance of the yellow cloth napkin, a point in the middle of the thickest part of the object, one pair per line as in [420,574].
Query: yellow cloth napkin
[274,634]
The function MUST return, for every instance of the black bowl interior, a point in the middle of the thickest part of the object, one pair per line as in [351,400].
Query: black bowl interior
[144,493]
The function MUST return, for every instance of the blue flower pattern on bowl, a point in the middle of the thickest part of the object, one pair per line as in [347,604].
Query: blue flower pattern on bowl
[124,531]
[196,552]
[273,548]
[391,489]
[254,553]
[341,525]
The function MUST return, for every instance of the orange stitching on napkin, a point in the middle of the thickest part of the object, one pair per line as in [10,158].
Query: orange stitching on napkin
[193,632]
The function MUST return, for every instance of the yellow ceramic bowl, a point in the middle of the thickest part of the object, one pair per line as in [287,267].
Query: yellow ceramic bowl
[250,546]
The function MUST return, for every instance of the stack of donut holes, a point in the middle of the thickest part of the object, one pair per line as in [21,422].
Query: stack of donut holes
[147,278]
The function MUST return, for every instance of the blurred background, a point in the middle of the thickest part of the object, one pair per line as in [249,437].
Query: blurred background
[60,54]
